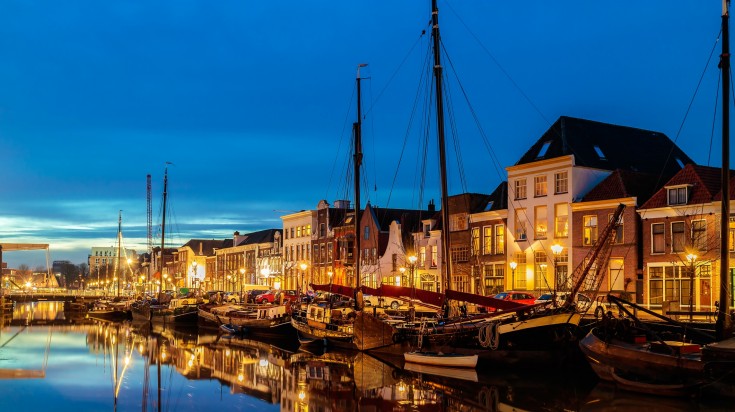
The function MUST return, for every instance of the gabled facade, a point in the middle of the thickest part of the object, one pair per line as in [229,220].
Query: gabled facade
[590,217]
[680,240]
[488,244]
[298,231]
[247,260]
[385,236]
[561,168]
[327,265]
[190,264]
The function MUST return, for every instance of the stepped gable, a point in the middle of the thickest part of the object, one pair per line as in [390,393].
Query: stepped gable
[608,147]
[623,183]
[704,181]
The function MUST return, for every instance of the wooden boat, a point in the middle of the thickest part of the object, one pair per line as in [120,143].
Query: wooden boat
[251,318]
[620,352]
[324,321]
[179,311]
[452,360]
[111,309]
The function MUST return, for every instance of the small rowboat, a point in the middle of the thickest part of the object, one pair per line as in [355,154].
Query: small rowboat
[453,360]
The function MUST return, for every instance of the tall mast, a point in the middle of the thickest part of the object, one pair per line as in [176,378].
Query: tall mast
[357,161]
[163,223]
[446,260]
[119,250]
[724,324]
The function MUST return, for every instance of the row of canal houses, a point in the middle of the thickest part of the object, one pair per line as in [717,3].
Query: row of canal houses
[561,193]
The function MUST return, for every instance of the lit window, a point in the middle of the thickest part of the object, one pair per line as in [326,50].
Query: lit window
[541,222]
[561,182]
[475,241]
[678,239]
[487,240]
[499,239]
[520,186]
[699,235]
[520,224]
[561,220]
[540,186]
[589,230]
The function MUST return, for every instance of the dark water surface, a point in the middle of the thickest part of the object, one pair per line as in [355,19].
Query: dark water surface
[56,361]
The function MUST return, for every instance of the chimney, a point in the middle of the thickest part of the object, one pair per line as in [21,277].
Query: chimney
[342,204]
[200,248]
[432,207]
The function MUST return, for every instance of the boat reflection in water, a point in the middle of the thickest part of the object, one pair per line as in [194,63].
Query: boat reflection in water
[127,366]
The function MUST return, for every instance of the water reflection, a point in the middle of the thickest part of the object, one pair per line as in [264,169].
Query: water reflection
[96,366]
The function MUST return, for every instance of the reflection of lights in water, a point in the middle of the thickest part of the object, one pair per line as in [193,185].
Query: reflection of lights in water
[140,348]
[227,352]
[163,355]
[127,360]
[302,395]
[190,363]
[240,377]
[263,362]
[401,387]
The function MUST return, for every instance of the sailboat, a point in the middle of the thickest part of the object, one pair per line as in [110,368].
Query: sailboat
[166,309]
[635,358]
[119,307]
[513,332]
[331,321]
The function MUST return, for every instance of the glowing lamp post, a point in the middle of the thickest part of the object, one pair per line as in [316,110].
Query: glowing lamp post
[513,266]
[692,258]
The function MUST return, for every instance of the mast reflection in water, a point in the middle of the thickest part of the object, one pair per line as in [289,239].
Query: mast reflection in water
[51,360]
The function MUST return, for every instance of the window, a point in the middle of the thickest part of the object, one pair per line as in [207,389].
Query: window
[322,230]
[732,234]
[589,230]
[677,196]
[520,224]
[561,220]
[487,240]
[540,188]
[329,252]
[427,229]
[678,239]
[561,183]
[493,278]
[656,285]
[475,241]
[562,270]
[460,254]
[541,222]
[618,239]
[366,233]
[499,239]
[544,149]
[458,222]
[520,186]
[699,235]
[540,271]
[298,231]
[658,245]
[599,152]
[422,256]
[519,274]
[434,256]
[616,275]
[394,262]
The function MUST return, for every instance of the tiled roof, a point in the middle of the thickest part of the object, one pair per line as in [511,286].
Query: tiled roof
[609,147]
[208,245]
[623,183]
[704,181]
[499,198]
[261,236]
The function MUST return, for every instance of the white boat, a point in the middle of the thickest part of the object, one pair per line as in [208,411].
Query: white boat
[453,360]
[465,374]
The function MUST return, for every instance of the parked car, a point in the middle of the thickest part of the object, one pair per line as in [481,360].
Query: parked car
[250,295]
[232,297]
[271,296]
[519,297]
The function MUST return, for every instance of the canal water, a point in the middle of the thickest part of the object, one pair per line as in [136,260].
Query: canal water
[56,361]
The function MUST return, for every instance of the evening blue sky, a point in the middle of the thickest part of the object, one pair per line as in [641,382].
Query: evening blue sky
[253,102]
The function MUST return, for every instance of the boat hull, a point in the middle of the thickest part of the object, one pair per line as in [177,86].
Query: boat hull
[635,367]
[450,360]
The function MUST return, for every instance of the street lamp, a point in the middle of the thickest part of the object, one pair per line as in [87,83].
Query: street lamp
[513,266]
[242,279]
[556,250]
[412,265]
[303,267]
[692,258]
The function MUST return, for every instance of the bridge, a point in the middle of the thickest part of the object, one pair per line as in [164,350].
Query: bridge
[55,294]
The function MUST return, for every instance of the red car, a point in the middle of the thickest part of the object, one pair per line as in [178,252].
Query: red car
[519,297]
[272,296]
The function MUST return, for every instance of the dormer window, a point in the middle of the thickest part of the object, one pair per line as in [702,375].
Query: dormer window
[599,153]
[427,229]
[677,195]
[544,149]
